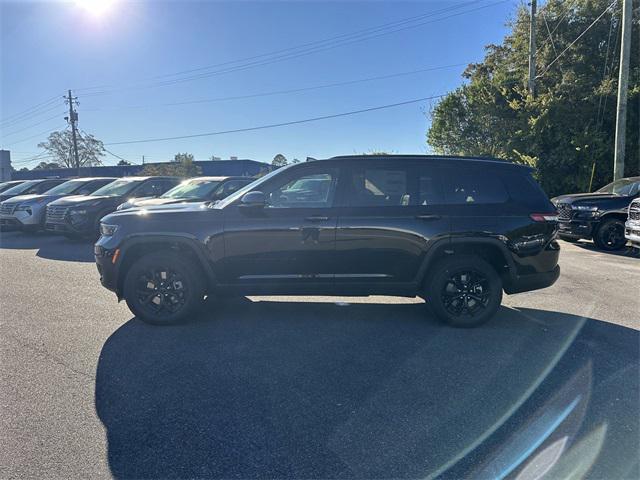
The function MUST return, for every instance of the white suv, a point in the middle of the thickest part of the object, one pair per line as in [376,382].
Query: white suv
[632,225]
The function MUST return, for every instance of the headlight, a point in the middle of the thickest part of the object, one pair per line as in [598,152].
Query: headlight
[584,208]
[78,212]
[107,230]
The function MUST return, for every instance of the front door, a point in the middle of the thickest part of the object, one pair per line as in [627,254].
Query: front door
[391,212]
[291,241]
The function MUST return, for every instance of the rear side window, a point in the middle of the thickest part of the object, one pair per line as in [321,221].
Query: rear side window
[430,186]
[525,190]
[378,186]
[473,186]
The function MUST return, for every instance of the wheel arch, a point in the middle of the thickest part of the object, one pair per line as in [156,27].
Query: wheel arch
[135,247]
[492,250]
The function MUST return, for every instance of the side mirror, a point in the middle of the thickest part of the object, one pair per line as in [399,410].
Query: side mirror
[253,199]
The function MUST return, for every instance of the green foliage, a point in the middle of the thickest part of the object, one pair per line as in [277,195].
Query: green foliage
[123,163]
[60,146]
[46,166]
[181,166]
[570,123]
[279,161]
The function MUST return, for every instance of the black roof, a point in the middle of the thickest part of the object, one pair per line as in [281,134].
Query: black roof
[427,158]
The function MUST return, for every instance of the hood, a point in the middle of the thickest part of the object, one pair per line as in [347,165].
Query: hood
[160,213]
[33,198]
[583,198]
[155,201]
[83,199]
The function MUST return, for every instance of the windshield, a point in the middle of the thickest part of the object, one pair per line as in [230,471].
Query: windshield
[23,187]
[117,188]
[623,187]
[66,187]
[192,189]
[247,188]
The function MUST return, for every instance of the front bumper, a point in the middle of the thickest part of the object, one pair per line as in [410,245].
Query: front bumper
[632,232]
[20,219]
[576,228]
[107,267]
[65,225]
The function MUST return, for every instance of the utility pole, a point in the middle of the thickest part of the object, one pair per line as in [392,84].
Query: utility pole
[623,84]
[532,49]
[143,159]
[73,119]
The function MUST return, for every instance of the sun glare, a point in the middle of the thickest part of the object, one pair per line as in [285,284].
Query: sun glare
[97,8]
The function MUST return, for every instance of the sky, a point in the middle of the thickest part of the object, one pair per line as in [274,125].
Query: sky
[125,61]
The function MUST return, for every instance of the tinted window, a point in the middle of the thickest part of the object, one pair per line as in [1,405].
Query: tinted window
[429,186]
[308,190]
[153,188]
[373,186]
[44,186]
[523,189]
[233,186]
[474,186]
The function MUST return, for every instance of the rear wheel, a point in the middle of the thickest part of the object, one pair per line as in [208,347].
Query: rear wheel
[610,235]
[463,291]
[164,288]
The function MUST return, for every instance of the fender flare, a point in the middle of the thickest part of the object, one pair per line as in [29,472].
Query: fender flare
[184,240]
[447,246]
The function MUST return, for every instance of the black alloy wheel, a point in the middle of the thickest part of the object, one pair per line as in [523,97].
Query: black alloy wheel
[463,290]
[164,288]
[610,235]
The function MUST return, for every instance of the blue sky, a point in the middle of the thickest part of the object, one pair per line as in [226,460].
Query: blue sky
[49,47]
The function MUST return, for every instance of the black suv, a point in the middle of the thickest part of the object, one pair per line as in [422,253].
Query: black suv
[79,215]
[599,215]
[456,231]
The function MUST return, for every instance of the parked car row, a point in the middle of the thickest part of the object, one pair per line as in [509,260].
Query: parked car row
[74,207]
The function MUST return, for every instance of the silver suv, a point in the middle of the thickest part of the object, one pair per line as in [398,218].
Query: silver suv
[632,225]
[27,212]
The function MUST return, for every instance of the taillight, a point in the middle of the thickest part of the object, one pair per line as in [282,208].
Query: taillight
[544,217]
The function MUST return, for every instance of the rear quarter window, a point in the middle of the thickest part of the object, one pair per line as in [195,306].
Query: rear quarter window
[474,186]
[523,189]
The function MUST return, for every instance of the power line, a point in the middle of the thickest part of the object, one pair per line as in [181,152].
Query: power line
[577,38]
[292,55]
[29,116]
[49,130]
[33,125]
[30,109]
[274,125]
[293,90]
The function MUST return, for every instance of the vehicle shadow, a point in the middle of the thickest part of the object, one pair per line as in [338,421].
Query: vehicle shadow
[322,390]
[52,247]
[627,251]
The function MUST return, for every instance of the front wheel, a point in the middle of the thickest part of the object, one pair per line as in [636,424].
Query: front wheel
[463,291]
[610,235]
[164,288]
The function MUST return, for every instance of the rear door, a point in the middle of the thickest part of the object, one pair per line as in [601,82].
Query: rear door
[390,213]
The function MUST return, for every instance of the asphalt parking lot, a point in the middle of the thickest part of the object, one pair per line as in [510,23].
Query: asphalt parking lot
[294,387]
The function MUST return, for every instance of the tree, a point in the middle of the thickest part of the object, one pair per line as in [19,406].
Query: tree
[181,166]
[60,146]
[183,157]
[123,163]
[46,166]
[568,127]
[279,161]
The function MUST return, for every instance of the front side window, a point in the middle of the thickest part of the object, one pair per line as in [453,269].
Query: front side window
[373,186]
[67,187]
[152,188]
[308,190]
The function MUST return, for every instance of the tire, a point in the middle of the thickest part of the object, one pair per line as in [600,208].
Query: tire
[463,291]
[610,235]
[177,299]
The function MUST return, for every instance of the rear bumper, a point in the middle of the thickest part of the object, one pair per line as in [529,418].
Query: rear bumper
[536,281]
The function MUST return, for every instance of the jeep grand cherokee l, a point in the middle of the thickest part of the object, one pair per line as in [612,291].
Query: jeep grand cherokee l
[456,231]
[79,215]
[599,215]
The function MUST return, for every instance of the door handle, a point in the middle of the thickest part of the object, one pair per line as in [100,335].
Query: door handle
[428,217]
[316,218]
